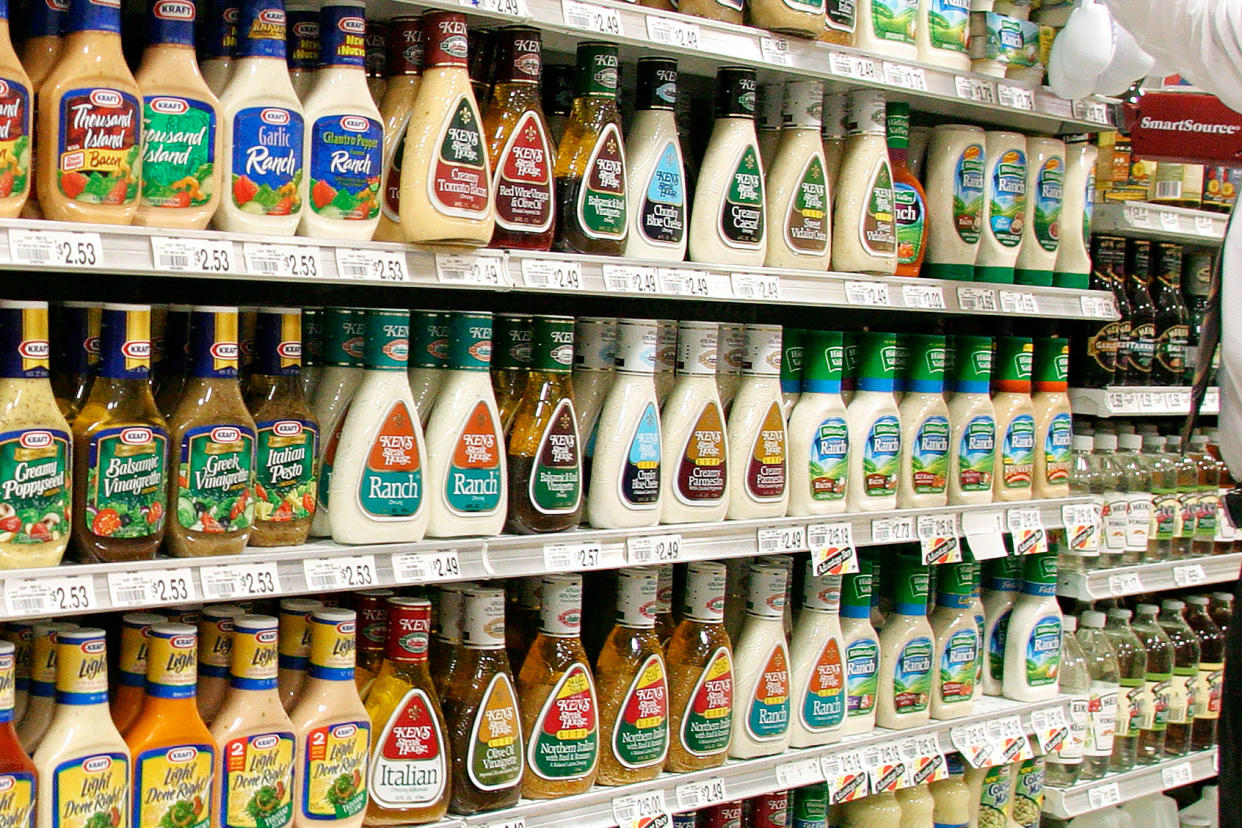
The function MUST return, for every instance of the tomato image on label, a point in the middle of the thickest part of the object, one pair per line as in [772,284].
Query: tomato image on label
[98,146]
[707,725]
[334,770]
[929,457]
[285,470]
[524,178]
[473,482]
[601,201]
[408,763]
[1043,652]
[391,485]
[640,738]
[257,788]
[741,212]
[92,792]
[768,716]
[564,743]
[958,666]
[823,698]
[912,676]
[178,151]
[345,167]
[34,486]
[267,160]
[976,455]
[881,456]
[862,663]
[968,194]
[458,184]
[640,474]
[556,479]
[701,474]
[172,787]
[765,477]
[494,758]
[216,475]
[15,126]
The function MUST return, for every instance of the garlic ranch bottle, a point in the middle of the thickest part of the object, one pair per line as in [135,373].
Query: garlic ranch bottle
[655,170]
[405,75]
[757,438]
[694,457]
[799,219]
[819,438]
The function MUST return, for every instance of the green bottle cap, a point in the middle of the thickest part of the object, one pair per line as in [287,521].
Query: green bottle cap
[924,368]
[598,70]
[470,341]
[792,341]
[510,341]
[823,362]
[552,344]
[388,339]
[912,583]
[878,359]
[343,330]
[1051,372]
[972,369]
[429,339]
[1014,355]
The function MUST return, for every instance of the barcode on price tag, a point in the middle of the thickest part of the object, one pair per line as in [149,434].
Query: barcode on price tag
[563,556]
[871,294]
[832,548]
[1098,306]
[846,776]
[700,284]
[983,532]
[971,740]
[799,773]
[250,580]
[938,538]
[975,89]
[756,286]
[976,299]
[556,274]
[470,269]
[775,50]
[290,261]
[1015,97]
[1188,575]
[423,567]
[1168,222]
[1101,796]
[185,255]
[1094,111]
[852,66]
[1082,527]
[670,31]
[356,572]
[631,279]
[372,265]
[652,549]
[1018,301]
[151,586]
[907,77]
[927,297]
[55,247]
[924,759]
[50,596]
[776,539]
[1051,728]
[1177,775]
[1125,583]
[1027,531]
[691,796]
[593,18]
[1204,226]
[640,809]
[893,530]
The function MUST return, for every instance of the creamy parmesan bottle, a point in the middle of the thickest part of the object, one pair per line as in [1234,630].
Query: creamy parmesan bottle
[343,329]
[761,664]
[875,433]
[972,441]
[924,466]
[816,653]
[693,464]
[1015,419]
[655,172]
[757,437]
[1004,207]
[798,216]
[864,229]
[954,185]
[1041,235]
[819,438]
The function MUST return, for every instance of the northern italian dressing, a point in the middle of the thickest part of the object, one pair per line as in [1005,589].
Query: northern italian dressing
[956,160]
[817,655]
[864,230]
[757,436]
[798,198]
[819,439]
[972,418]
[923,472]
[694,463]
[656,172]
[762,702]
[875,433]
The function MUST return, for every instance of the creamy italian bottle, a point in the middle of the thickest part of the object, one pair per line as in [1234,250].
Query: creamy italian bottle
[907,649]
[446,178]
[15,125]
[1073,266]
[343,330]
[405,75]
[219,45]
[1015,419]
[595,353]
[378,482]
[465,446]
[819,431]
[923,471]
[1041,234]
[343,141]
[956,158]
[799,218]
[655,172]
[428,361]
[700,660]
[727,219]
[1033,641]
[1004,206]
[758,442]
[303,44]
[864,229]
[944,33]
[817,653]
[958,646]
[694,462]
[1054,430]
[972,419]
[909,199]
[875,432]
[761,657]
[887,27]
[861,651]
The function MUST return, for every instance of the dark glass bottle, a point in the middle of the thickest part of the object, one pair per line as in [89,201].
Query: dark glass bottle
[1211,672]
[1221,610]
[1172,320]
[1142,340]
[1098,347]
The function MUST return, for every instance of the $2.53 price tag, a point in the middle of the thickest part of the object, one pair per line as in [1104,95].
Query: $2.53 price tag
[355,572]
[50,596]
[249,580]
[151,586]
[193,255]
[55,247]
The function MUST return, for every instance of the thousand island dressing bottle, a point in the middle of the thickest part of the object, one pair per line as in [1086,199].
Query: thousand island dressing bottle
[16,124]
[40,49]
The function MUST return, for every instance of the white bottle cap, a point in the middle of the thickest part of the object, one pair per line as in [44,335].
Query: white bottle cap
[664,589]
[1172,605]
[696,348]
[763,351]
[483,618]
[771,99]
[1130,442]
[705,591]
[1105,441]
[1092,618]
[561,610]
[866,113]
[595,343]
[636,597]
[1069,624]
[833,116]
[730,348]
[1082,442]
[803,106]
[1119,612]
[636,346]
[448,612]
[765,596]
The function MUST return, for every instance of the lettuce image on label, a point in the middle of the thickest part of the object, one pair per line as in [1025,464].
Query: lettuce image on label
[976,456]
[178,151]
[862,664]
[345,167]
[267,160]
[894,20]
[912,677]
[217,474]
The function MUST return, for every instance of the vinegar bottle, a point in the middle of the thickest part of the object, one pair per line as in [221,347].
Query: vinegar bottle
[1209,689]
[1154,721]
[1102,702]
[1184,686]
[757,435]
[817,653]
[1133,703]
[694,462]
[700,660]
[761,713]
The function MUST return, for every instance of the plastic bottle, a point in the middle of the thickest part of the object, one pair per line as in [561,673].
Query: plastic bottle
[293,648]
[1154,720]
[1137,482]
[861,647]
[730,352]
[1114,501]
[957,645]
[864,230]
[1053,425]
[342,373]
[428,360]
[1164,508]
[761,660]
[1045,171]
[907,651]
[1004,202]
[1183,689]
[1033,640]
[1062,766]
[944,33]
[887,27]
[799,220]
[1209,694]
[875,432]
[1103,705]
[656,172]
[1015,419]
[665,359]
[955,184]
[819,439]
[1132,701]
[793,347]
[923,473]
[1207,513]
[694,462]
[972,420]
[758,442]
[817,653]
[215,652]
[909,199]
[1000,594]
[510,362]
[1187,498]
[1073,264]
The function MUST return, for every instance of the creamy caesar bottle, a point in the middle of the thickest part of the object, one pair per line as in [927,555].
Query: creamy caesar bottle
[958,646]
[694,463]
[343,330]
[1015,419]
[817,657]
[727,219]
[864,229]
[875,433]
[405,75]
[861,648]
[595,353]
[700,660]
[1045,173]
[832,133]
[922,477]
[1004,206]
[1033,640]
[819,438]
[907,649]
[954,184]
[799,218]
[972,417]
[1054,429]
[428,360]
[761,656]
[656,171]
[757,437]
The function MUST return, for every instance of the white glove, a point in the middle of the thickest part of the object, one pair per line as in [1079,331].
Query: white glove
[1082,51]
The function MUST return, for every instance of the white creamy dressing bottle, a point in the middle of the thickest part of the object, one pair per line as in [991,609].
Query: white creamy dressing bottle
[981,624]
[875,426]
[1000,593]
[665,359]
[944,33]
[887,27]
[972,442]
[694,463]
[816,652]
[302,24]
[799,218]
[730,353]
[954,184]
[467,472]
[1015,419]
[1004,207]
[757,437]
[428,361]
[1041,233]
[906,652]
[832,133]
[791,368]
[219,45]
[344,141]
[625,489]
[1054,427]
[405,75]
[1033,642]
[861,646]
[864,228]
[819,438]
[595,352]
[343,331]
[925,433]
[768,125]
[378,486]
[655,171]
[958,645]
[1073,267]
[761,668]
[727,219]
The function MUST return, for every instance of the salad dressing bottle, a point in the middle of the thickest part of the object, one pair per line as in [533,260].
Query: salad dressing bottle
[343,330]
[861,647]
[405,75]
[21,635]
[172,372]
[907,650]
[730,353]
[818,430]
[1054,430]
[694,462]
[1033,638]
[219,45]
[792,347]
[761,713]
[799,219]
[595,356]
[510,363]
[1015,419]
[17,771]
[875,432]
[126,700]
[817,653]
[700,660]
[757,435]
[428,359]
[446,640]
[40,49]
[1133,701]
[958,646]
[656,171]
[1001,578]
[15,154]
[972,418]
[74,326]
[864,229]
[922,477]
[302,24]
[372,635]
[41,701]
[909,200]
[215,655]
[293,648]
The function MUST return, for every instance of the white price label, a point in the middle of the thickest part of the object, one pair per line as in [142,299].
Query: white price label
[799,773]
[1094,111]
[853,66]
[55,247]
[472,269]
[1125,583]
[591,17]
[691,796]
[371,265]
[653,549]
[514,8]
[975,89]
[832,548]
[356,572]
[638,809]
[151,586]
[1018,301]
[1023,518]
[927,297]
[1051,728]
[422,567]
[1150,401]
[971,740]
[1188,575]
[50,596]
[907,77]
[756,286]
[518,822]
[1015,97]
[775,50]
[1098,306]
[897,529]
[1204,226]
[885,767]
[289,261]
[1101,796]
[185,255]
[571,556]
[870,294]
[1082,527]
[1177,775]
[556,274]
[1027,529]
[631,279]
[977,299]
[924,760]
[983,532]
[846,776]
[669,31]
[1137,215]
[1010,740]
[777,539]
[1169,222]
[698,284]
[938,538]
[249,580]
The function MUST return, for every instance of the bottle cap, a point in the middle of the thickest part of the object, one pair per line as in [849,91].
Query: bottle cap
[1002,574]
[254,660]
[387,346]
[294,645]
[705,592]
[763,351]
[664,589]
[1104,441]
[598,68]
[448,611]
[445,39]
[823,362]
[771,100]
[125,341]
[1172,605]
[897,119]
[792,352]
[666,347]
[1092,618]
[636,597]
[696,348]
[730,348]
[405,46]
[657,84]
[833,115]
[1039,574]
[636,346]
[923,372]
[1130,442]
[371,606]
[343,35]
[519,55]
[552,344]
[1069,623]
[820,592]
[877,361]
[1012,371]
[1051,370]
[409,628]
[912,583]
[735,92]
[1227,597]
[132,663]
[765,595]
[1197,600]
[856,592]
[865,112]
[1147,609]
[81,666]
[334,644]
[560,612]
[1119,612]
[214,342]
[803,104]
[558,89]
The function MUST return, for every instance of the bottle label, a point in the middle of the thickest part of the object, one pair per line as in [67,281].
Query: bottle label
[707,725]
[391,486]
[98,142]
[494,758]
[841,15]
[1018,453]
[564,741]
[878,229]
[1165,510]
[1057,450]
[408,769]
[862,664]
[1208,504]
[1028,793]
[601,199]
[701,474]
[524,178]
[807,6]
[285,470]
[178,151]
[765,478]
[172,787]
[334,769]
[1171,349]
[912,678]
[1048,203]
[345,167]
[957,666]
[1138,522]
[90,791]
[1159,692]
[258,781]
[329,457]
[217,471]
[1207,693]
[768,716]
[1127,708]
[1101,724]
[267,160]
[976,455]
[823,700]
[881,456]
[458,183]
[639,484]
[1181,696]
[640,738]
[126,481]
[741,213]
[947,24]
[1007,198]
[1075,739]
[968,193]
[662,213]
[17,791]
[996,647]
[994,795]
[893,20]
[806,225]
[929,457]
[473,483]
[342,39]
[1143,707]
[910,213]
[555,486]
[1043,651]
[15,126]
[1114,518]
[829,459]
[1187,509]
[1140,347]
[391,202]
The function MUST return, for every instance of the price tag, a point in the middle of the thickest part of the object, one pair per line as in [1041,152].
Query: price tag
[653,549]
[55,247]
[50,596]
[1027,529]
[691,796]
[1151,402]
[977,299]
[250,580]
[640,809]
[923,758]
[893,530]
[371,265]
[775,50]
[518,822]
[799,773]
[556,274]
[832,548]
[1006,734]
[1187,575]
[1204,226]
[938,537]
[1098,306]
[1137,215]
[1125,583]
[1018,301]
[151,586]
[907,77]
[1015,97]
[1082,527]
[593,18]
[853,66]
[1177,775]
[288,261]
[777,539]
[698,284]
[357,572]
[870,294]
[1094,111]
[1051,728]
[983,533]
[846,776]
[471,269]
[1101,796]
[571,556]
[971,740]
[421,567]
[975,89]
[926,297]
[669,31]
[182,255]
[630,279]
[514,8]
[756,286]
[886,768]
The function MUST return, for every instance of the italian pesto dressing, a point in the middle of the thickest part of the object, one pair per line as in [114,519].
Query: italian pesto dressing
[819,438]
[1000,592]
[1015,419]
[861,651]
[1033,642]
[694,465]
[817,656]
[875,433]
[907,650]
[958,645]
[656,171]
[757,437]
[761,659]
[343,330]
[923,473]
[972,420]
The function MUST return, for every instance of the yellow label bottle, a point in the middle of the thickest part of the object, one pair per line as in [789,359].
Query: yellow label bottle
[132,667]
[41,703]
[294,646]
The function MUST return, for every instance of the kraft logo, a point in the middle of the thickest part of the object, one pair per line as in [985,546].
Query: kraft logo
[173,10]
[346,628]
[35,439]
[344,731]
[58,5]
[270,740]
[137,436]
[352,123]
[108,98]
[307,29]
[95,646]
[4,89]
[33,349]
[272,17]
[182,754]
[290,350]
[169,106]
[136,349]
[181,642]
[352,25]
[7,783]
[276,117]
[287,428]
[225,434]
[97,764]
[224,350]
[265,636]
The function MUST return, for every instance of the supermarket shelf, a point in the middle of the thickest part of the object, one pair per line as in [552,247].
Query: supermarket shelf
[1153,577]
[323,566]
[1138,401]
[1064,803]
[1159,222]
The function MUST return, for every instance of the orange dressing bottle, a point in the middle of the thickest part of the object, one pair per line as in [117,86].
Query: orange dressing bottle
[132,667]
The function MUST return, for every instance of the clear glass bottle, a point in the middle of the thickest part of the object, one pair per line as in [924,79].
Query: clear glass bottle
[1137,480]
[1164,508]
[1063,765]
[1187,497]
[700,659]
[1186,656]
[1132,701]
[1082,555]
[1115,504]
[1102,705]
[1207,503]
[1159,676]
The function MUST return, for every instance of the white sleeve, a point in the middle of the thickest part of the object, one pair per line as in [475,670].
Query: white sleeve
[1200,39]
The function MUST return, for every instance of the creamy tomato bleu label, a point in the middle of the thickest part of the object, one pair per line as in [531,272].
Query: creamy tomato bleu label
[257,788]
[458,184]
[267,160]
